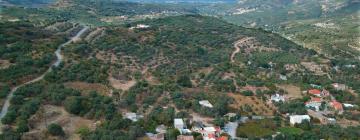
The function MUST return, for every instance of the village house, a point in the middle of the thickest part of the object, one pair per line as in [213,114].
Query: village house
[230,116]
[208,133]
[205,103]
[297,119]
[133,117]
[318,93]
[179,123]
[337,106]
[160,136]
[338,86]
[346,105]
[161,129]
[277,98]
[314,103]
[283,77]
[183,137]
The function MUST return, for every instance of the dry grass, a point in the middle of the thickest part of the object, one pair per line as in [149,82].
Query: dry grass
[258,106]
[53,114]
[123,85]
[4,64]
[87,87]
[294,92]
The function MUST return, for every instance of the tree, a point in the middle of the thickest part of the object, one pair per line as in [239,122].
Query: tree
[184,80]
[56,130]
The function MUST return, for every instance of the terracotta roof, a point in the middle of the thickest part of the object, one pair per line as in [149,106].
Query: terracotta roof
[337,105]
[314,91]
[222,138]
[316,99]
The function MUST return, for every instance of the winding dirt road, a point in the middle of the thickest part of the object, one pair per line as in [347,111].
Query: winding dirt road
[237,45]
[59,59]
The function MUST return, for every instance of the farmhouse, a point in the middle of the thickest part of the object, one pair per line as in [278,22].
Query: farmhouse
[277,98]
[315,92]
[314,103]
[337,106]
[133,117]
[179,123]
[296,119]
[338,86]
[205,103]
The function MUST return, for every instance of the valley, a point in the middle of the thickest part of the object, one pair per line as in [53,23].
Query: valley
[175,70]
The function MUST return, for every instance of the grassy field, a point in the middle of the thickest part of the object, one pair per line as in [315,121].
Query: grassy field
[256,129]
[290,130]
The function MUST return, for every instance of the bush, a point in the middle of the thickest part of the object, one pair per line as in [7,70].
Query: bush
[247,93]
[56,130]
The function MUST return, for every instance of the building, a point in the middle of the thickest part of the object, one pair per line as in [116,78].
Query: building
[314,92]
[314,103]
[283,77]
[296,119]
[160,136]
[133,117]
[161,129]
[337,106]
[205,103]
[277,98]
[338,86]
[183,137]
[208,133]
[179,124]
[348,105]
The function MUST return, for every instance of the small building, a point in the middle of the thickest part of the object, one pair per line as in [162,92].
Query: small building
[160,136]
[297,119]
[179,124]
[183,137]
[348,105]
[337,106]
[314,103]
[338,86]
[208,133]
[314,92]
[283,77]
[133,117]
[231,116]
[205,103]
[277,98]
[331,120]
[161,129]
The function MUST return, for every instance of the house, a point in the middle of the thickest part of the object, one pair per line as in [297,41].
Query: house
[160,136]
[231,116]
[337,106]
[283,77]
[205,103]
[161,129]
[179,124]
[132,116]
[277,98]
[315,86]
[223,138]
[348,105]
[183,137]
[318,93]
[208,133]
[331,121]
[338,86]
[314,92]
[314,103]
[296,119]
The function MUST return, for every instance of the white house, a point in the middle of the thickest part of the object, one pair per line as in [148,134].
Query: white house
[283,77]
[277,98]
[346,105]
[338,86]
[294,119]
[209,133]
[206,103]
[179,124]
[133,117]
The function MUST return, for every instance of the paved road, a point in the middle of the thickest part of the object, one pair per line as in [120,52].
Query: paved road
[59,57]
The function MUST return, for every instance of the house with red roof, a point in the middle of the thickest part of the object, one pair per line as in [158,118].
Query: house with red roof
[314,103]
[337,106]
[315,92]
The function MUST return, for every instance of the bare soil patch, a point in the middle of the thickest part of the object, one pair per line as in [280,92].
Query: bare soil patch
[4,64]
[87,87]
[120,84]
[53,114]
[294,92]
[258,106]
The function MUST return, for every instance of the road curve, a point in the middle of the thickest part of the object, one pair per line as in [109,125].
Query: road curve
[59,59]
